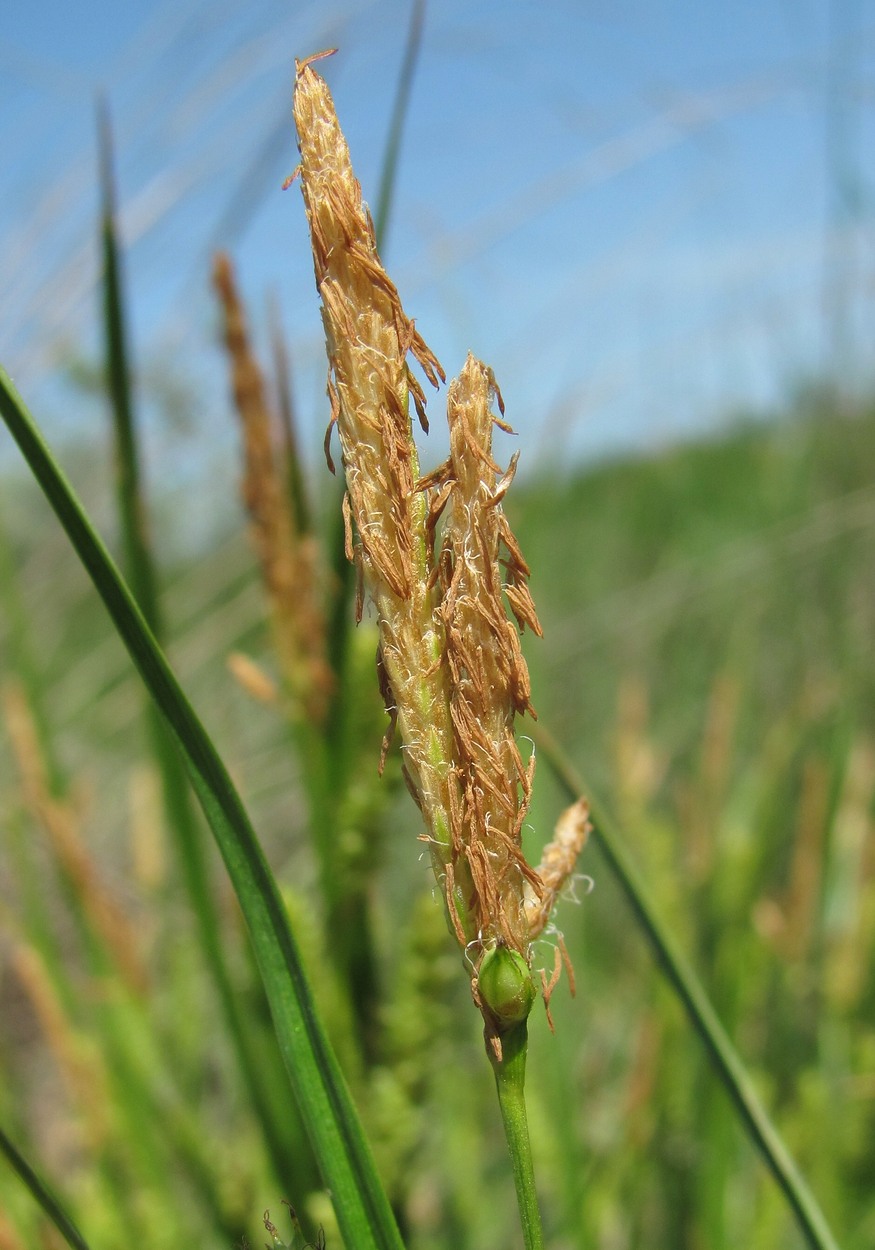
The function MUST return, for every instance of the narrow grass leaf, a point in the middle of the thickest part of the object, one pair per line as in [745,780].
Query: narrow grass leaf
[702,1015]
[282,376]
[42,1194]
[400,109]
[332,1123]
[142,578]
[129,495]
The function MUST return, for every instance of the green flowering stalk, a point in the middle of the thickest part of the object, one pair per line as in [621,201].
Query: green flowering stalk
[437,558]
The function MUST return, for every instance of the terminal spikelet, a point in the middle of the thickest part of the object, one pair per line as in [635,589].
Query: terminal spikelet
[370,383]
[368,338]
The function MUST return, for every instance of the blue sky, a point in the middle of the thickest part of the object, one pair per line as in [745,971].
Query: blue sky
[632,211]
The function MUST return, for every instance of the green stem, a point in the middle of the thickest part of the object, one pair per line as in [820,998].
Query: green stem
[400,109]
[702,1015]
[42,1194]
[510,1079]
[128,477]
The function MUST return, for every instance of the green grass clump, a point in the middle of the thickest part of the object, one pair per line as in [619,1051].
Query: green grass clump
[749,818]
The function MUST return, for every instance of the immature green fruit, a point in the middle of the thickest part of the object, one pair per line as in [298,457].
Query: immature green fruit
[505,985]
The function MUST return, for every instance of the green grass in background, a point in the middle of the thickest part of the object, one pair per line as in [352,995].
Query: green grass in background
[713,669]
[707,662]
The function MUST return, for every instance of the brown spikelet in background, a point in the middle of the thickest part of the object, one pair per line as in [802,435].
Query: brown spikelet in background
[77,1060]
[57,818]
[287,558]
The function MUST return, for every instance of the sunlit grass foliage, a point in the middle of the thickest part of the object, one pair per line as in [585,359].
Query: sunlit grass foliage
[707,664]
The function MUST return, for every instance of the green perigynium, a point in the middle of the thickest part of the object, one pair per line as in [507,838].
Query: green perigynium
[505,987]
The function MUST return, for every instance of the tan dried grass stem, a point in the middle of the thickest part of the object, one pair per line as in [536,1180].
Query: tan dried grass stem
[60,823]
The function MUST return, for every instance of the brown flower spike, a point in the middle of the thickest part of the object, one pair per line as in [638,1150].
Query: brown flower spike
[437,558]
[287,558]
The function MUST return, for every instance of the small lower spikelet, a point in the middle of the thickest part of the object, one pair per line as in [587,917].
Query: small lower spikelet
[558,861]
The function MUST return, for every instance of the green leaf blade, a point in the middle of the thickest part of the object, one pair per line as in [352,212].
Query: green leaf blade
[332,1123]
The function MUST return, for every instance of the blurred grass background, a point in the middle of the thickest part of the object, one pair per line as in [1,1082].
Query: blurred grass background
[708,663]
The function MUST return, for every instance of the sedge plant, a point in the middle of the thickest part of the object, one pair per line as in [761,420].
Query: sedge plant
[436,557]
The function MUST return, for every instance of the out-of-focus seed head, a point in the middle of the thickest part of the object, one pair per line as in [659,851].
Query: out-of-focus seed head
[287,557]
